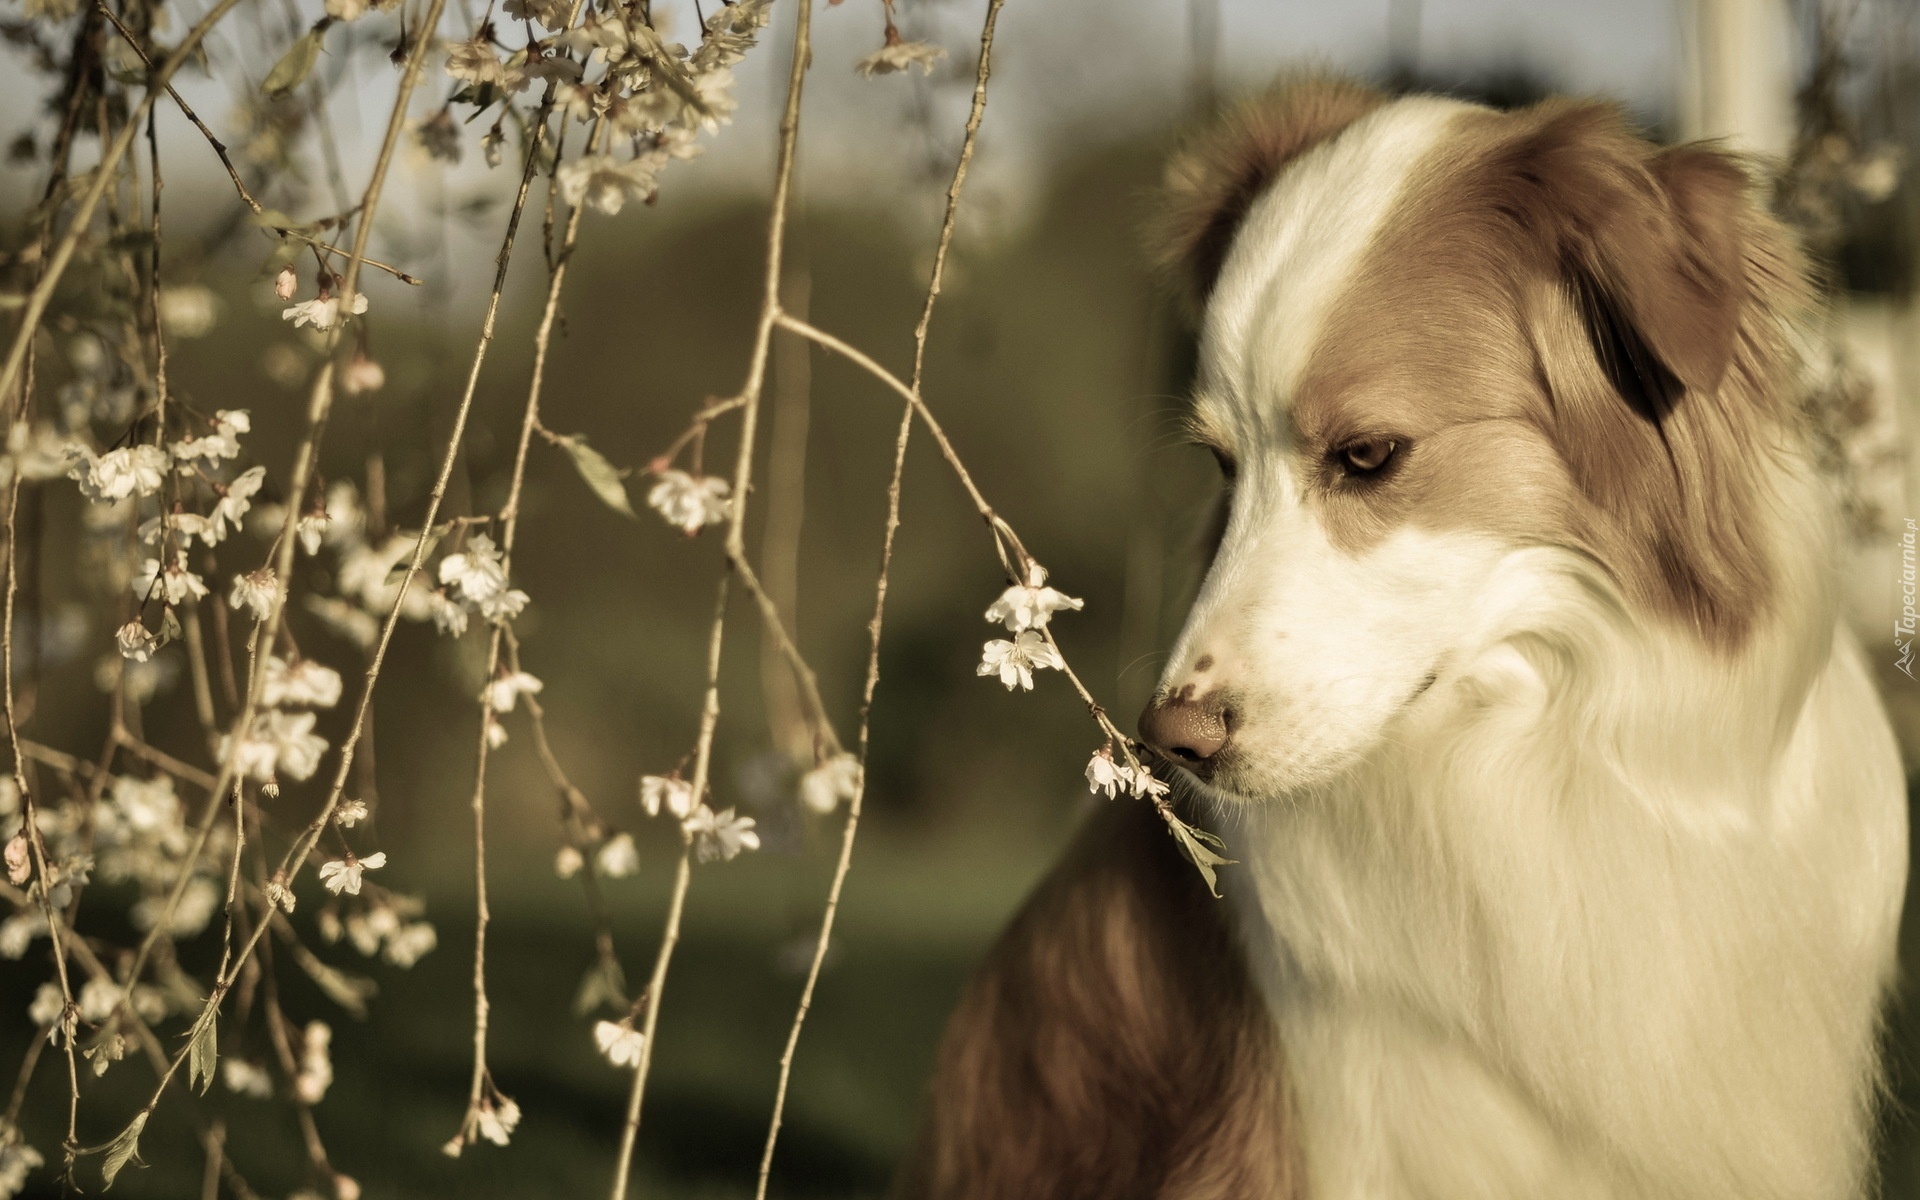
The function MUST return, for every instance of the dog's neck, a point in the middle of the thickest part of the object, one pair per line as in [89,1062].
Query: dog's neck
[1575,931]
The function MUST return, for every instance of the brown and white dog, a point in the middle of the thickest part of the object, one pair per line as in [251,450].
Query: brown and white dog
[1572,833]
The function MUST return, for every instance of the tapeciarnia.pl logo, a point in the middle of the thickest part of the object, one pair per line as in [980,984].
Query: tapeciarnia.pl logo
[1904,627]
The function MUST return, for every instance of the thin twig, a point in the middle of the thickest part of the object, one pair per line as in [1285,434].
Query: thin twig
[854,803]
[103,176]
[736,551]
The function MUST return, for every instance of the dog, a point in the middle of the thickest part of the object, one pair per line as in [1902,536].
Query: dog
[1571,832]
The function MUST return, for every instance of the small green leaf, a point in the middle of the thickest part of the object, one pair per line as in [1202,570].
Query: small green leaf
[1200,848]
[203,1051]
[297,63]
[603,985]
[123,1149]
[600,475]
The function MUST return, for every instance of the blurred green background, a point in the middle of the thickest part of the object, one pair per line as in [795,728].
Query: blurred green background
[1057,368]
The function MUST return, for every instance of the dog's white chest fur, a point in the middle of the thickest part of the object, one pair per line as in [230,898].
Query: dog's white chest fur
[1505,965]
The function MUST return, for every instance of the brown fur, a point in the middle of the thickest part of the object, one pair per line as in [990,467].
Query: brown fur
[1574,335]
[1112,1047]
[1212,182]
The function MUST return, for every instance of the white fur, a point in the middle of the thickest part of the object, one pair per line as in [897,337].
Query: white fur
[1602,913]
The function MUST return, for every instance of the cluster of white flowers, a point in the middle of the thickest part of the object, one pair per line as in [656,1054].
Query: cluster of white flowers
[1109,777]
[655,96]
[281,741]
[1025,609]
[134,480]
[620,1042]
[389,927]
[16,1160]
[316,1063]
[836,779]
[690,503]
[715,835]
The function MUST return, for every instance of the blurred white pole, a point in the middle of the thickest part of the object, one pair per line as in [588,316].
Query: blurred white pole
[1737,73]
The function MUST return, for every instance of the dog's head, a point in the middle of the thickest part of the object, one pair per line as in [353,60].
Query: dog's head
[1435,340]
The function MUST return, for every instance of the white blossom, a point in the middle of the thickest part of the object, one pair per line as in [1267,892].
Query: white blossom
[606,184]
[617,857]
[17,933]
[410,943]
[901,55]
[175,582]
[278,742]
[311,529]
[254,592]
[1104,775]
[118,474]
[666,791]
[147,806]
[343,875]
[19,859]
[245,1078]
[1141,782]
[300,684]
[449,615]
[47,1006]
[476,573]
[316,1063]
[503,605]
[566,864]
[838,778]
[188,310]
[199,900]
[504,691]
[1030,607]
[17,1159]
[136,642]
[235,499]
[350,813]
[363,375]
[497,1123]
[689,502]
[1015,662]
[720,835]
[286,283]
[324,311]
[620,1042]
[476,62]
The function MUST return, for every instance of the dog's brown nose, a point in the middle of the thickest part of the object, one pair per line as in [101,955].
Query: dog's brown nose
[1192,731]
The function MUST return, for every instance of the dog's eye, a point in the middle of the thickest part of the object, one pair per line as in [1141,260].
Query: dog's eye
[1228,468]
[1366,456]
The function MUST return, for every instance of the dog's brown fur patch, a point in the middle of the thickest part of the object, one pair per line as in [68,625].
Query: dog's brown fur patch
[1579,337]
[1112,1047]
[1212,182]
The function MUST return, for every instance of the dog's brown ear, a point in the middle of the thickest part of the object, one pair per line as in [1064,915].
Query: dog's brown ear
[1213,181]
[1650,241]
[1665,291]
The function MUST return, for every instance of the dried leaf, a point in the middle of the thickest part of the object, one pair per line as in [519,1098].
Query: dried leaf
[203,1051]
[600,475]
[1200,848]
[604,984]
[123,1149]
[297,63]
